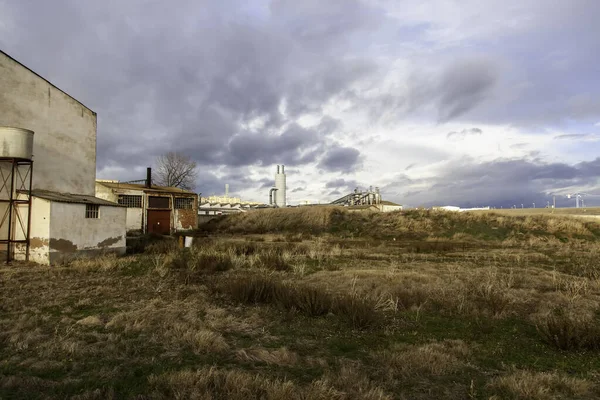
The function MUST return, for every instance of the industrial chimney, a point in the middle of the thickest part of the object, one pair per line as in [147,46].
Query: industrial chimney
[280,194]
[149,178]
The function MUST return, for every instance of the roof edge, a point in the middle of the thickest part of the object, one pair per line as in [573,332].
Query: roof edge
[47,81]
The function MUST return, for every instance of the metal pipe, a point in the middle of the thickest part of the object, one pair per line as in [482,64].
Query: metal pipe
[271,196]
[10,211]
[29,212]
[282,167]
[149,178]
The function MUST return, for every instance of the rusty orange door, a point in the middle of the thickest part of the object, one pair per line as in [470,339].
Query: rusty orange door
[159,221]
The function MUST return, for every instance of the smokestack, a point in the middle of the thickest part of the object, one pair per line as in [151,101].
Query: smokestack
[277,168]
[227,190]
[149,177]
[282,166]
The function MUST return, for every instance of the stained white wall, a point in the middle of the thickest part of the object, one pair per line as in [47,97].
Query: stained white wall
[71,232]
[39,235]
[64,144]
[134,218]
[389,208]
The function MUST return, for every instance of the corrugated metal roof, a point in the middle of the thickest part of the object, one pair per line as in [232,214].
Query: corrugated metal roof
[72,198]
[138,186]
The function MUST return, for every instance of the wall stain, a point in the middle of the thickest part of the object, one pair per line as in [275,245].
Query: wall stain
[188,219]
[110,241]
[36,242]
[63,245]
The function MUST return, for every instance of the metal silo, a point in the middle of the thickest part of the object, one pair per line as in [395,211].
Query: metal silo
[16,143]
[280,194]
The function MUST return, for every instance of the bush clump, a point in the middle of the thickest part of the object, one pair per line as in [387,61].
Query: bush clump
[566,331]
[312,301]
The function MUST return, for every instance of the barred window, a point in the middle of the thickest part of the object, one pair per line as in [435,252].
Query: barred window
[92,211]
[184,203]
[130,201]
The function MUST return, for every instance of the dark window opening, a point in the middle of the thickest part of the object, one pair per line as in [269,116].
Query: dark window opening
[92,211]
[130,201]
[158,202]
[184,203]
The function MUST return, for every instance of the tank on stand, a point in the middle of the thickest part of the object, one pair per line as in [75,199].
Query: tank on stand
[16,178]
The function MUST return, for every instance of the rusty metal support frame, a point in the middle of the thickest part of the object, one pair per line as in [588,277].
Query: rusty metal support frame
[21,181]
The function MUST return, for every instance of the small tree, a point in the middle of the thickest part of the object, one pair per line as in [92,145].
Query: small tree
[176,170]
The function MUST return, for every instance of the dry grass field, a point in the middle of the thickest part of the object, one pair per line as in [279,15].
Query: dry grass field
[316,303]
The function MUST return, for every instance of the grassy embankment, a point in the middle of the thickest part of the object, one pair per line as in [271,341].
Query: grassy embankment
[317,303]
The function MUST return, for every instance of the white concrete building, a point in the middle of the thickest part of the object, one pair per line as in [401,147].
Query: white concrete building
[66,218]
[154,209]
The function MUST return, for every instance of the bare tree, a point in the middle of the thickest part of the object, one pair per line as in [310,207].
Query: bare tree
[176,170]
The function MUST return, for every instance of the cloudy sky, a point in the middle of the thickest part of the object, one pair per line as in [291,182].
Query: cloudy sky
[461,102]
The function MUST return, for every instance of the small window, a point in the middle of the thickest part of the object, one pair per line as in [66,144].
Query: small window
[184,203]
[92,210]
[130,201]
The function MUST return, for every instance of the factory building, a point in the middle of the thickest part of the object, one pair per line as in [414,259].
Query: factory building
[151,208]
[48,207]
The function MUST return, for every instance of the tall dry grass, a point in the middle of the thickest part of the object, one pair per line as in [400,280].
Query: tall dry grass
[407,224]
[529,385]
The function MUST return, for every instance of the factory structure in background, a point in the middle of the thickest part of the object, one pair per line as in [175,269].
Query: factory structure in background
[213,206]
[360,198]
[369,200]
[277,194]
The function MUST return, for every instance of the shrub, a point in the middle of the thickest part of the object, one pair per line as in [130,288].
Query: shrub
[151,241]
[273,259]
[569,332]
[527,385]
[214,383]
[252,289]
[359,312]
[195,263]
[309,300]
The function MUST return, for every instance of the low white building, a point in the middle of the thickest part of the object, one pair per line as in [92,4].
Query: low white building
[65,225]
[152,208]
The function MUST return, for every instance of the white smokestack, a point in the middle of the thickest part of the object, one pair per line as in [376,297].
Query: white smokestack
[280,194]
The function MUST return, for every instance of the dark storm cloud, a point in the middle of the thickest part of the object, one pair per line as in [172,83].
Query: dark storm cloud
[497,183]
[298,189]
[329,21]
[464,133]
[464,86]
[196,76]
[340,159]
[296,145]
[184,78]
